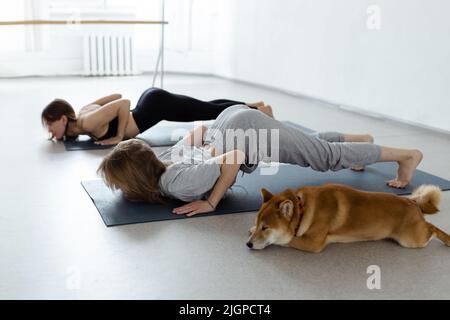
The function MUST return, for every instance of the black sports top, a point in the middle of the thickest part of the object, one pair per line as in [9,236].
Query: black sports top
[112,129]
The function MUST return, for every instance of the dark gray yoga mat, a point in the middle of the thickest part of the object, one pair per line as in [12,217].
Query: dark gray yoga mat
[83,143]
[245,194]
[157,136]
[163,134]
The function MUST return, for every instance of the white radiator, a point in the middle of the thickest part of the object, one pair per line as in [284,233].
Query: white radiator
[109,55]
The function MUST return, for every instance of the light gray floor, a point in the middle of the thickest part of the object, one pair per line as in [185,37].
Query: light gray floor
[54,244]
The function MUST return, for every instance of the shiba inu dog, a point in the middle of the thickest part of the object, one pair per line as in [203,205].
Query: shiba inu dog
[314,216]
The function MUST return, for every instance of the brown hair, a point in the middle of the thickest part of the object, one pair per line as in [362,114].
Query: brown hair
[133,167]
[55,110]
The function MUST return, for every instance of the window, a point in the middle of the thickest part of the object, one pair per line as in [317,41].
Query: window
[13,36]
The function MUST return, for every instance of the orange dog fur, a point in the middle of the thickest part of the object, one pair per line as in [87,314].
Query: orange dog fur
[314,216]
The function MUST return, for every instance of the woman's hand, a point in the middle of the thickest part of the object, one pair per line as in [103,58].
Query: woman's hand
[211,149]
[110,141]
[193,208]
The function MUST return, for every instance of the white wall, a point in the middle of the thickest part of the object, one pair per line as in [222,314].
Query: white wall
[329,49]
[326,49]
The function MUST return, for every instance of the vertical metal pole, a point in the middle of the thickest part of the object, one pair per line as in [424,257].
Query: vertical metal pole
[160,58]
[162,43]
[155,74]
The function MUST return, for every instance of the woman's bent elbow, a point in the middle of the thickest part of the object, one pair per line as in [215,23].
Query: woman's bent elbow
[234,158]
[239,156]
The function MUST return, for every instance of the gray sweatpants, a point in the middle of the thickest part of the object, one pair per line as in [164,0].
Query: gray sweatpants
[321,151]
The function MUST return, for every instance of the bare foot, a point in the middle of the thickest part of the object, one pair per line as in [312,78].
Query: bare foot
[406,170]
[256,104]
[358,138]
[267,109]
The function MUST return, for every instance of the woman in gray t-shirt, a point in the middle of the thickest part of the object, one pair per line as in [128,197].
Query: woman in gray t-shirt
[200,168]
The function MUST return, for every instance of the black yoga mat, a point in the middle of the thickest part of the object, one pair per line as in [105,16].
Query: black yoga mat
[158,136]
[245,194]
[83,143]
[163,134]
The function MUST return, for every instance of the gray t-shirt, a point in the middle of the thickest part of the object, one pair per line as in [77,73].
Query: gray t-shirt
[190,175]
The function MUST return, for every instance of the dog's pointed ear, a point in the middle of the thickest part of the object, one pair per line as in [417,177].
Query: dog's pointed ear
[266,195]
[287,208]
[299,198]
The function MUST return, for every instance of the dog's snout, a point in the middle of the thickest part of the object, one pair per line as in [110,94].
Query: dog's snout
[250,244]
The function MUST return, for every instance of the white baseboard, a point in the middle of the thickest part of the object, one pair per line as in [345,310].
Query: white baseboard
[351,109]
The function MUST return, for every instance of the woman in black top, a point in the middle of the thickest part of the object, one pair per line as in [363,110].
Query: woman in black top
[109,119]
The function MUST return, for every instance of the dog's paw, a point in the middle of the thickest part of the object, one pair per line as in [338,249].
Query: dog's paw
[251,231]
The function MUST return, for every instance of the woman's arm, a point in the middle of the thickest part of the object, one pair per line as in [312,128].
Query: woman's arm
[108,99]
[195,137]
[100,117]
[230,164]
[100,102]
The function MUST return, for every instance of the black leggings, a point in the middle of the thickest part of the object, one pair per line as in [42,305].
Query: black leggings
[156,104]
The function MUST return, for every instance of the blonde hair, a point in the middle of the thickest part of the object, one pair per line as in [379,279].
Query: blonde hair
[133,167]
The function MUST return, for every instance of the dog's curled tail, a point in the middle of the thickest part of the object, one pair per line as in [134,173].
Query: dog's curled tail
[427,197]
